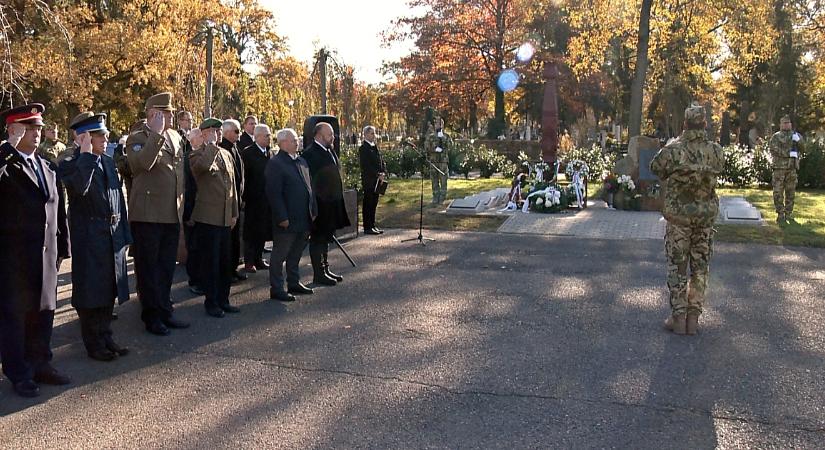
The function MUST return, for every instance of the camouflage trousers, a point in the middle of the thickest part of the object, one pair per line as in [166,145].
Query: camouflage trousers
[784,190]
[439,182]
[688,247]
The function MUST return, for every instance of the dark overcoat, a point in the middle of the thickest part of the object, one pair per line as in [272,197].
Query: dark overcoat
[99,228]
[258,216]
[328,189]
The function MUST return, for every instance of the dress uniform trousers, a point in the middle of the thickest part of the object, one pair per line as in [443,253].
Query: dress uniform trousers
[157,248]
[215,246]
[193,261]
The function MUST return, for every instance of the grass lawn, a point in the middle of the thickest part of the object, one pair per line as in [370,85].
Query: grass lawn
[399,207]
[809,212]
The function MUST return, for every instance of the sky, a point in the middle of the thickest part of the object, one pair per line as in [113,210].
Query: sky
[350,27]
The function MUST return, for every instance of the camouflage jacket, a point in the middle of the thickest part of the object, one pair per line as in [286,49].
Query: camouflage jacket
[690,166]
[432,142]
[51,150]
[780,146]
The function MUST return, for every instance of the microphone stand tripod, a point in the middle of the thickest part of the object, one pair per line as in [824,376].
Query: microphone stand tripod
[421,239]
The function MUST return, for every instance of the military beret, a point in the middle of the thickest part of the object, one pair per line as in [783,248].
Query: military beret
[785,118]
[95,123]
[162,101]
[80,118]
[31,114]
[695,115]
[210,122]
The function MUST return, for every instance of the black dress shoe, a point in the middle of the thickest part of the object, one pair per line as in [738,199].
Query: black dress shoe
[334,276]
[239,276]
[175,323]
[215,312]
[157,328]
[262,265]
[299,289]
[121,351]
[102,355]
[114,316]
[197,290]
[281,296]
[50,375]
[230,309]
[27,388]
[324,280]
[371,231]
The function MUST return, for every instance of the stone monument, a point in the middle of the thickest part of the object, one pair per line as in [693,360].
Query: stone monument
[550,114]
[636,163]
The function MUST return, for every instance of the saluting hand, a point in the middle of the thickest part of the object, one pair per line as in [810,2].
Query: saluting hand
[85,141]
[156,122]
[195,138]
[16,132]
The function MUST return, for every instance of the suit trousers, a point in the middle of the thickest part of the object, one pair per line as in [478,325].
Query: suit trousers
[253,251]
[286,248]
[192,258]
[215,247]
[25,343]
[157,247]
[235,251]
[370,205]
[318,251]
[96,327]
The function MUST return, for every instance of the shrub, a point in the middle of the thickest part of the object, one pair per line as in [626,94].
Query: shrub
[812,165]
[489,161]
[350,167]
[598,162]
[739,168]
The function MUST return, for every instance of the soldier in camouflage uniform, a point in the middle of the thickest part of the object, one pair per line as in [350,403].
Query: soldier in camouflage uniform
[783,148]
[438,144]
[689,166]
[51,148]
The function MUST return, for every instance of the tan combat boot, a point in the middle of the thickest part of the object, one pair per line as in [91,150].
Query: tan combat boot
[676,324]
[692,323]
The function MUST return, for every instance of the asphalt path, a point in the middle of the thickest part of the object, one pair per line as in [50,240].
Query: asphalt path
[478,340]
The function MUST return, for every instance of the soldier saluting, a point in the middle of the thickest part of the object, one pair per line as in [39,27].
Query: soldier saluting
[689,166]
[785,155]
[438,144]
[100,234]
[34,239]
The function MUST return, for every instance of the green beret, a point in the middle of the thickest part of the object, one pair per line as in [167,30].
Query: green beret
[211,122]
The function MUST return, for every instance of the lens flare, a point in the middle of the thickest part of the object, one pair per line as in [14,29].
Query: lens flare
[525,52]
[508,80]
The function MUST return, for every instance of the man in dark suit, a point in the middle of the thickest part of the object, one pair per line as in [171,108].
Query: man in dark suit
[257,228]
[100,234]
[231,131]
[247,137]
[34,239]
[372,172]
[293,206]
[328,188]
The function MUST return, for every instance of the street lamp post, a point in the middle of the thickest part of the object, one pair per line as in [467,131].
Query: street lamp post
[291,115]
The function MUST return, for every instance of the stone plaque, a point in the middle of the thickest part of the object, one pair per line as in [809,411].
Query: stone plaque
[742,213]
[645,157]
[465,203]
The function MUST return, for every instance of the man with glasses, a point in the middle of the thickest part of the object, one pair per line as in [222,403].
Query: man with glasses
[231,131]
[34,239]
[100,235]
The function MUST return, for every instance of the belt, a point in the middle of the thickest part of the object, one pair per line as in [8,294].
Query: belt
[111,220]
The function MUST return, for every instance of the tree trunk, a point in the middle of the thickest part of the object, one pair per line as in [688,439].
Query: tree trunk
[637,89]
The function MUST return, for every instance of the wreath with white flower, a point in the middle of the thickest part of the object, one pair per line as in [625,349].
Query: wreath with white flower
[577,166]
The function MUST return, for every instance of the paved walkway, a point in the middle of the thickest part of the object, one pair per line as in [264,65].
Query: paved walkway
[596,221]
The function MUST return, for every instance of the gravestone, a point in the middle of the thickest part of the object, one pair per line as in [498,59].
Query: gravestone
[738,211]
[640,153]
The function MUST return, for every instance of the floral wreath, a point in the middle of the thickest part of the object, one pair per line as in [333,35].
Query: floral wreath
[579,166]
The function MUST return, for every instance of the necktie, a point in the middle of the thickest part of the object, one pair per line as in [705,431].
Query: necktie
[332,154]
[40,181]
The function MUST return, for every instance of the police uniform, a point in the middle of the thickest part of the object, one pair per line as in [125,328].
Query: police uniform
[689,166]
[155,210]
[438,144]
[100,235]
[215,213]
[785,155]
[33,236]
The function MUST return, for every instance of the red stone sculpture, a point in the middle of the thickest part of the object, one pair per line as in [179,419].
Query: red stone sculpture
[550,114]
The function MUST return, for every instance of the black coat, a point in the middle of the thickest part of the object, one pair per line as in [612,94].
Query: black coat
[240,170]
[245,140]
[289,192]
[34,233]
[257,215]
[99,228]
[372,163]
[190,188]
[328,189]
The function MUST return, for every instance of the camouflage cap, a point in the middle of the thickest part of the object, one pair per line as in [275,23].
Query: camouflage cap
[162,101]
[695,115]
[785,118]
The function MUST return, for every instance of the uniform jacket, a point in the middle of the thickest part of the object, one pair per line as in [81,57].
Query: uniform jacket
[780,146]
[156,163]
[289,192]
[372,163]
[690,166]
[432,141]
[51,150]
[217,200]
[34,232]
[257,215]
[99,229]
[328,189]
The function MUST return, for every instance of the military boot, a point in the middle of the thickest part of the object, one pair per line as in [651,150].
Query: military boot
[676,323]
[790,220]
[692,323]
[780,219]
